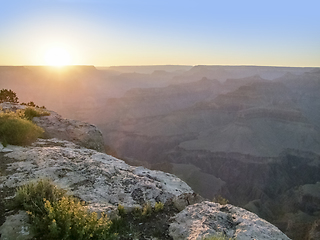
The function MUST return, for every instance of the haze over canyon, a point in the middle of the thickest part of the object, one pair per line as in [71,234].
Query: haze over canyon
[248,133]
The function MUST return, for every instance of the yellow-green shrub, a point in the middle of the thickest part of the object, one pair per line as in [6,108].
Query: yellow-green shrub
[221,200]
[31,112]
[146,210]
[70,219]
[17,131]
[30,196]
[121,210]
[55,216]
[217,237]
[158,207]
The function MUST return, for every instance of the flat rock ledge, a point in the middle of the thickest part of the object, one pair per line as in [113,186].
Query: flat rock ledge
[206,219]
[104,182]
[97,178]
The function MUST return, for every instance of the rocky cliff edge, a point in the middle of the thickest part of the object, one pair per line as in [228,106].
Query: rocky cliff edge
[104,182]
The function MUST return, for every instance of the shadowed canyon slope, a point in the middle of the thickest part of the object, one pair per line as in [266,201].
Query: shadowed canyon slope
[250,134]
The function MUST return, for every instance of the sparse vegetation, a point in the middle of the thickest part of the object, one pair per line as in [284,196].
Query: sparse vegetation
[217,237]
[146,210]
[221,200]
[31,112]
[16,130]
[30,196]
[158,207]
[55,215]
[15,126]
[32,104]
[121,210]
[8,96]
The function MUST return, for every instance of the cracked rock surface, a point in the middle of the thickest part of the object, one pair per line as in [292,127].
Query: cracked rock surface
[207,219]
[97,178]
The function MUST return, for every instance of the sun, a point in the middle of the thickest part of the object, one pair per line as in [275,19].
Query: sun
[57,56]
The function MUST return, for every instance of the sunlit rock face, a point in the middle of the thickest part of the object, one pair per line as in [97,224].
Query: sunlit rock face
[209,219]
[97,178]
[104,182]
[81,133]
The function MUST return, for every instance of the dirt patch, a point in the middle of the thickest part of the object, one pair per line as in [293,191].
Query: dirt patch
[155,226]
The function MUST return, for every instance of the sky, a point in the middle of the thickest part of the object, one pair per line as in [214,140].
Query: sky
[153,32]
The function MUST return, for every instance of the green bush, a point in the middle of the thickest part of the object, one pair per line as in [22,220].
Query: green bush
[146,210]
[70,219]
[31,112]
[32,104]
[17,131]
[8,96]
[158,207]
[121,210]
[30,196]
[221,200]
[55,216]
[217,237]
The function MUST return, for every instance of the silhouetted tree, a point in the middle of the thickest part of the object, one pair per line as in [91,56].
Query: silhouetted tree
[8,96]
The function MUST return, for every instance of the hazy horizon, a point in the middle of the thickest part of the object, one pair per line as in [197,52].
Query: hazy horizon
[139,33]
[159,65]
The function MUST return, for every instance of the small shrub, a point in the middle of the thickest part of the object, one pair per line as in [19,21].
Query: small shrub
[219,199]
[158,207]
[57,216]
[121,210]
[70,219]
[217,237]
[32,104]
[17,131]
[8,96]
[147,210]
[30,196]
[31,112]
[137,213]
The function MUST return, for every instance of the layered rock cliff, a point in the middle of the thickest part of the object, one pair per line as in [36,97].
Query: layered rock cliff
[256,140]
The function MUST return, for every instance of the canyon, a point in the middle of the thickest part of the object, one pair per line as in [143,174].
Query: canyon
[247,133]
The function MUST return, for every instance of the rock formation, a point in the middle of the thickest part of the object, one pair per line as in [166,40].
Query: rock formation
[209,219]
[81,133]
[92,176]
[256,138]
[104,182]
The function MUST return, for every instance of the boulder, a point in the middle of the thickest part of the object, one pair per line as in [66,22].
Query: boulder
[209,219]
[182,201]
[81,133]
[16,227]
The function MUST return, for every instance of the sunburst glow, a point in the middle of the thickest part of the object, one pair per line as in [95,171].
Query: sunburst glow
[57,57]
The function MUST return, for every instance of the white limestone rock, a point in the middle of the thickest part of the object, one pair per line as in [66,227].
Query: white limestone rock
[16,227]
[207,218]
[81,133]
[97,178]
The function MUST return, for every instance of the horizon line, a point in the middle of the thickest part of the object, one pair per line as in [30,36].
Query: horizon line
[160,65]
